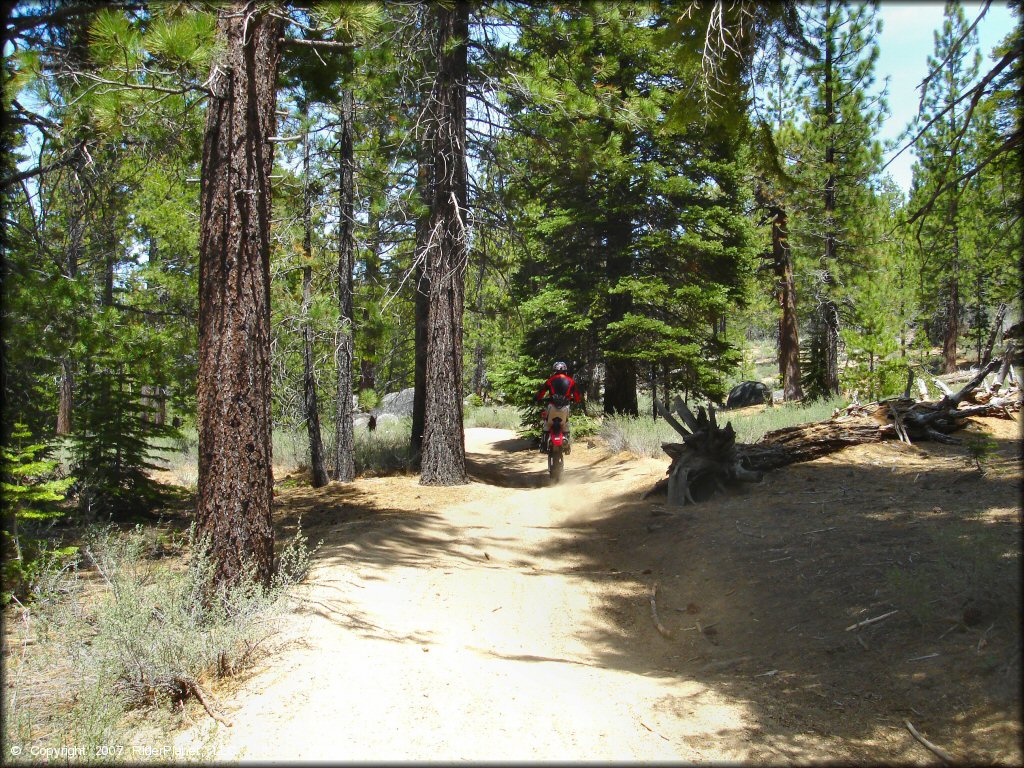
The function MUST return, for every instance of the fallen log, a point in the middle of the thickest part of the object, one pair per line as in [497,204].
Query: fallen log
[709,457]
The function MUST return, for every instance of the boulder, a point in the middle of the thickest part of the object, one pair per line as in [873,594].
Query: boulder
[396,403]
[748,393]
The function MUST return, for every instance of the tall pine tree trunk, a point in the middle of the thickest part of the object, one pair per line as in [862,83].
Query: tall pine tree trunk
[233,388]
[344,434]
[443,460]
[67,393]
[789,335]
[828,364]
[421,306]
[371,278]
[478,349]
[997,326]
[309,398]
[620,374]
[76,239]
[951,332]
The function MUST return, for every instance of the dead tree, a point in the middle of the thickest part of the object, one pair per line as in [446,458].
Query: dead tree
[709,457]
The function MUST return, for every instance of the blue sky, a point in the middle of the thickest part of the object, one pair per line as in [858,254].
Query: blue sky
[905,44]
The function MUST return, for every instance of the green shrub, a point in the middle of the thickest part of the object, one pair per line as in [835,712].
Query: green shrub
[145,639]
[31,493]
[113,443]
[368,400]
[889,378]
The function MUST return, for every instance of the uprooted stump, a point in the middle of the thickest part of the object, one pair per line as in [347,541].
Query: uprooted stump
[709,457]
[705,461]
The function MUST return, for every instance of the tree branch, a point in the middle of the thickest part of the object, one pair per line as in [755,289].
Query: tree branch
[327,45]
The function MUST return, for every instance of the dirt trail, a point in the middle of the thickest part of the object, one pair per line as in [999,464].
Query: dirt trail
[450,633]
[508,620]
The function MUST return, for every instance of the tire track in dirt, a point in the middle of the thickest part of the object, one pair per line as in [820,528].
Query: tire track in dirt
[444,630]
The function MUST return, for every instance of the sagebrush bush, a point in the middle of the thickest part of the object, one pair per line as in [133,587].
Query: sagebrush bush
[492,416]
[386,448]
[145,636]
[156,635]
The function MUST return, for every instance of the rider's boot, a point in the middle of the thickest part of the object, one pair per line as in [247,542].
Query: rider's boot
[567,445]
[544,442]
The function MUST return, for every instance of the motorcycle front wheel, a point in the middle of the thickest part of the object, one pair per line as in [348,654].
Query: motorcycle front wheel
[555,464]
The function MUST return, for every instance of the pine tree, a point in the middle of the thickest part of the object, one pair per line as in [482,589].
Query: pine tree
[235,481]
[941,231]
[836,160]
[30,490]
[344,439]
[113,441]
[444,454]
[635,212]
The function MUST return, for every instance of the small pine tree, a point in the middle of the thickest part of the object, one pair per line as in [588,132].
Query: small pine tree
[112,444]
[30,489]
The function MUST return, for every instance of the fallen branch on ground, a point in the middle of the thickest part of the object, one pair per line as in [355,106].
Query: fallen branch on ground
[937,751]
[864,623]
[654,613]
[204,699]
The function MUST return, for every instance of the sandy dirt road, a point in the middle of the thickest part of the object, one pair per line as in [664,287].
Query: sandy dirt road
[456,624]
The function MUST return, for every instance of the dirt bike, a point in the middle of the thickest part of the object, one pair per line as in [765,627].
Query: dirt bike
[556,447]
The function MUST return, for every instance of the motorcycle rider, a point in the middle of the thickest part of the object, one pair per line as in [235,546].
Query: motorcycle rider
[560,390]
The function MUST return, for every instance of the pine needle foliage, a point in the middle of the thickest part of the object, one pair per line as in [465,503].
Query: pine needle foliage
[32,491]
[112,444]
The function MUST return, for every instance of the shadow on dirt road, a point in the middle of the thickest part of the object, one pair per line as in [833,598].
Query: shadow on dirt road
[758,588]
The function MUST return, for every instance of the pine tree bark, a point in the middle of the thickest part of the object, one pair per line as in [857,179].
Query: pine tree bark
[344,432]
[478,349]
[443,460]
[997,326]
[789,334]
[309,399]
[951,332]
[76,239]
[233,389]
[371,278]
[620,374]
[421,305]
[828,363]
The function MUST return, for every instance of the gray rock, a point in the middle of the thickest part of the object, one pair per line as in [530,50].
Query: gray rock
[748,393]
[396,403]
